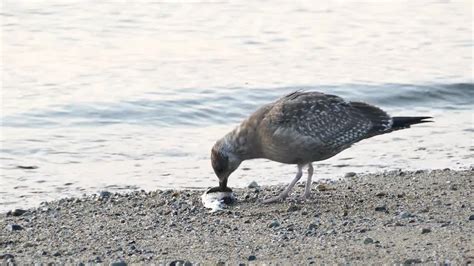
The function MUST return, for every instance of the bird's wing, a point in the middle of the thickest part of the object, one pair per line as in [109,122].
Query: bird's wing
[323,120]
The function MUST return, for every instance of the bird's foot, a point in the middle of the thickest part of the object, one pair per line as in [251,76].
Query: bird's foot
[306,196]
[275,199]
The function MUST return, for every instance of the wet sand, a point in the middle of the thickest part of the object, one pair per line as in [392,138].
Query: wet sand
[391,217]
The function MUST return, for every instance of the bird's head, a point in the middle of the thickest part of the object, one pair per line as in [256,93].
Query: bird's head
[224,162]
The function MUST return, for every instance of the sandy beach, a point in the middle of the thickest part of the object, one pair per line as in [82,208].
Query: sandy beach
[390,217]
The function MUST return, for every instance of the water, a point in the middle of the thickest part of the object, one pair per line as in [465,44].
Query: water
[118,95]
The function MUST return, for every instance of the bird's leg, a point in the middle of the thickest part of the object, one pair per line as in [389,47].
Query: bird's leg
[286,192]
[307,189]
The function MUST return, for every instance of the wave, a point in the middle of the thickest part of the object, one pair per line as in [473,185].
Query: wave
[204,106]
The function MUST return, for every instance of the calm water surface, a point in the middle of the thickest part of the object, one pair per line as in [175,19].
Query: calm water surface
[118,95]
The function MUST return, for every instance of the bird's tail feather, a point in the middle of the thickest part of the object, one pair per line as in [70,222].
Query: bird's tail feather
[400,122]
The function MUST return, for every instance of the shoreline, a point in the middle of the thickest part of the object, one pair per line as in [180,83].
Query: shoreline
[390,217]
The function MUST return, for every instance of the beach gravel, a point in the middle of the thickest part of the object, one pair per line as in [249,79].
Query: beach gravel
[384,218]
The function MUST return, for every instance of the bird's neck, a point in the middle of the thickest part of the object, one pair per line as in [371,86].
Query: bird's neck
[243,142]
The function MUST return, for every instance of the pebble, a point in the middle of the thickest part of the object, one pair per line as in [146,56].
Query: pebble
[273,224]
[28,245]
[16,212]
[411,261]
[292,208]
[27,167]
[471,218]
[312,226]
[252,257]
[14,227]
[253,184]
[178,263]
[368,240]
[350,174]
[6,256]
[405,215]
[382,208]
[105,194]
[425,230]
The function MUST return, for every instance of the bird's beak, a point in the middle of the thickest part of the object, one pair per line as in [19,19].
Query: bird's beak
[223,181]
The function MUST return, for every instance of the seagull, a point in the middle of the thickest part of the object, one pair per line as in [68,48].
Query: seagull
[301,128]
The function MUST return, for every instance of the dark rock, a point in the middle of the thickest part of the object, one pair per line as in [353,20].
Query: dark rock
[253,184]
[252,257]
[381,194]
[56,254]
[14,227]
[177,263]
[312,226]
[105,194]
[273,224]
[426,230]
[16,212]
[382,208]
[292,208]
[411,261]
[405,215]
[6,256]
[368,240]
[27,167]
[350,174]
[471,218]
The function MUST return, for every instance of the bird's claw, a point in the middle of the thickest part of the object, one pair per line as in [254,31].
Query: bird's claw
[274,199]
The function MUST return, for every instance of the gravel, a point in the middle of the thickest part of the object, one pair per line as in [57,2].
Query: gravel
[339,225]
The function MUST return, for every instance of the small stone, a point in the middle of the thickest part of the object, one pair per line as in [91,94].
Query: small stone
[6,256]
[411,261]
[324,187]
[274,224]
[252,257]
[105,194]
[177,263]
[381,194]
[292,208]
[471,218]
[16,212]
[56,254]
[28,245]
[253,184]
[27,167]
[312,226]
[350,174]
[426,230]
[424,210]
[14,227]
[382,208]
[405,215]
[368,240]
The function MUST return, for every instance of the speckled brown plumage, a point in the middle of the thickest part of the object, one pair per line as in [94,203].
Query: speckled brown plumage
[300,128]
